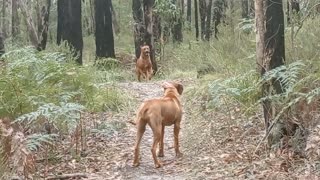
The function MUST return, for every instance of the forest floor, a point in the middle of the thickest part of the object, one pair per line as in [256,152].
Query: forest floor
[216,145]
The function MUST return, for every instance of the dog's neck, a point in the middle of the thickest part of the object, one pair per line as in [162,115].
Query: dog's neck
[144,57]
[172,94]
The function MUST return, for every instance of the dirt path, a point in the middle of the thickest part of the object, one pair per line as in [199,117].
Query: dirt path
[119,156]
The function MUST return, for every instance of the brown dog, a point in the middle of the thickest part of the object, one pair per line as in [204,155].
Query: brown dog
[158,113]
[144,65]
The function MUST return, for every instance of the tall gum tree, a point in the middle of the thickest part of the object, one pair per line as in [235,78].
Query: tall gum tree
[270,51]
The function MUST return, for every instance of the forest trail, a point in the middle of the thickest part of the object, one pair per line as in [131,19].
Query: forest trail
[118,154]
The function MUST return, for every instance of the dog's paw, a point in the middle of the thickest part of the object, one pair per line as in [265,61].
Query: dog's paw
[158,165]
[160,154]
[136,164]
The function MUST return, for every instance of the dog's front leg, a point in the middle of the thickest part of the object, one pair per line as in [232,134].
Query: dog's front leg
[176,139]
[161,144]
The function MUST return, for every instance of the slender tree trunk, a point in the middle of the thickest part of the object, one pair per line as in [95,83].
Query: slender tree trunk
[177,35]
[293,7]
[270,47]
[115,23]
[203,16]
[2,51]
[33,33]
[196,19]
[104,30]
[44,26]
[4,23]
[208,26]
[218,9]
[69,26]
[15,20]
[189,14]
[245,8]
[182,7]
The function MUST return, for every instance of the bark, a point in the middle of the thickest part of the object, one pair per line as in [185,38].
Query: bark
[218,9]
[196,19]
[44,26]
[2,51]
[15,20]
[270,48]
[177,35]
[208,23]
[32,32]
[293,7]
[4,22]
[115,24]
[139,28]
[148,36]
[245,8]
[93,21]
[104,30]
[203,16]
[69,27]
[189,13]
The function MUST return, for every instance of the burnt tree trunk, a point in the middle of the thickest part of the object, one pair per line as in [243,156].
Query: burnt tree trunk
[270,48]
[44,26]
[15,30]
[208,23]
[203,16]
[148,36]
[189,14]
[139,28]
[196,19]
[177,36]
[69,27]
[104,30]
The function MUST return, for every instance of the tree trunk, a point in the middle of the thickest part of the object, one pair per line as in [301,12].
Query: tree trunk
[115,23]
[69,26]
[293,7]
[4,23]
[104,30]
[2,51]
[139,28]
[189,14]
[44,26]
[203,16]
[208,26]
[218,9]
[245,9]
[177,26]
[148,36]
[15,20]
[196,19]
[93,21]
[270,47]
[33,33]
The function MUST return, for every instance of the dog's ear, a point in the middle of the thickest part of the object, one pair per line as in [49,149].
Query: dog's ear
[179,87]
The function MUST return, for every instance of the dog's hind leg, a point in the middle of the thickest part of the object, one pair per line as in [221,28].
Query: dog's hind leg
[176,139]
[161,144]
[141,127]
[156,139]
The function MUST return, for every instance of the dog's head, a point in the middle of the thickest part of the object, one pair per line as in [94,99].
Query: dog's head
[174,87]
[145,50]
